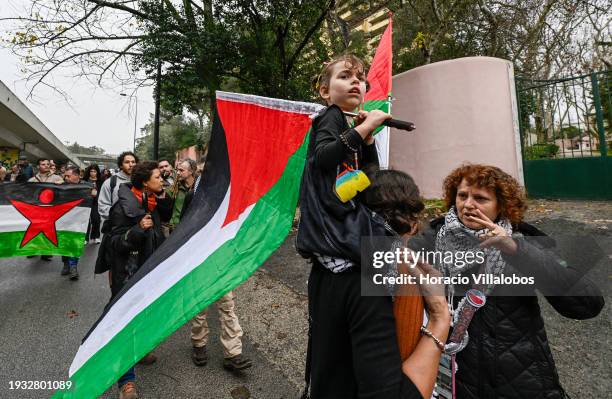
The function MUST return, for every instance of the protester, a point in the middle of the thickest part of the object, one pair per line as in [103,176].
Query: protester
[507,354]
[25,170]
[167,173]
[72,175]
[12,176]
[136,232]
[92,176]
[106,174]
[185,179]
[353,348]
[395,197]
[3,173]
[110,188]
[44,174]
[231,331]
[53,168]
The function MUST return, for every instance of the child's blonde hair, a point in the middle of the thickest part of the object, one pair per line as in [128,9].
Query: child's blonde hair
[351,62]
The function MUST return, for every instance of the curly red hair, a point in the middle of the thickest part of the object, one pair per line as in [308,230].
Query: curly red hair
[510,195]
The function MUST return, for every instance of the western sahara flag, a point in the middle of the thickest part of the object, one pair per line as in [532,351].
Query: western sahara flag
[241,212]
[43,219]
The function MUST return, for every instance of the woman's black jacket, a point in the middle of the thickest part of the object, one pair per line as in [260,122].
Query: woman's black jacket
[130,245]
[508,354]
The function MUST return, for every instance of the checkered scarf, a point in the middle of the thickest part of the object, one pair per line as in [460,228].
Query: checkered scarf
[455,236]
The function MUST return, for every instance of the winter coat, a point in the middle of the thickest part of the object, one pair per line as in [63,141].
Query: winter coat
[130,245]
[179,202]
[508,354]
[327,225]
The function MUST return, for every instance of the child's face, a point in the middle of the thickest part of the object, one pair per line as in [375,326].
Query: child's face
[346,88]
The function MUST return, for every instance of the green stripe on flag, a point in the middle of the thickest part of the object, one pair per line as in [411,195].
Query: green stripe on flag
[222,271]
[382,105]
[70,243]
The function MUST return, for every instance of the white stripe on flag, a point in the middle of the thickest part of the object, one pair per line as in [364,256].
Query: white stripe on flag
[185,259]
[382,147]
[271,103]
[75,220]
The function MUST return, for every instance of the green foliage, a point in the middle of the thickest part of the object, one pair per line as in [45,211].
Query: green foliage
[541,151]
[76,148]
[175,133]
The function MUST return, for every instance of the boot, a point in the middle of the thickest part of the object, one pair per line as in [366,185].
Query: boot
[128,391]
[238,362]
[199,356]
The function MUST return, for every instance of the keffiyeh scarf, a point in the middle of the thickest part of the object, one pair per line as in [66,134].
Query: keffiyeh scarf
[454,236]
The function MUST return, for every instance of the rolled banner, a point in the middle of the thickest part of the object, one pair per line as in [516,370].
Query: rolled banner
[474,300]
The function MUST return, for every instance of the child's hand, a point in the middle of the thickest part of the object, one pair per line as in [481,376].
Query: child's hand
[368,122]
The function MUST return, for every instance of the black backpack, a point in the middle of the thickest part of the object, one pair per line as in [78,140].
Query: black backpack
[104,259]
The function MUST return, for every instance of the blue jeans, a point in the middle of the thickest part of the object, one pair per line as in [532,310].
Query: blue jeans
[70,261]
[129,376]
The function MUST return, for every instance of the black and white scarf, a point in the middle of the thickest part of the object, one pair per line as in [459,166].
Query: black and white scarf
[455,236]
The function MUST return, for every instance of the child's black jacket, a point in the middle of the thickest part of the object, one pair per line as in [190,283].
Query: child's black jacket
[328,226]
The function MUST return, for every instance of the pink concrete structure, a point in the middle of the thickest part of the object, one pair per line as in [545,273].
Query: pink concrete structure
[464,111]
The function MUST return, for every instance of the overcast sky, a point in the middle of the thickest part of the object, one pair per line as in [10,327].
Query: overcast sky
[93,117]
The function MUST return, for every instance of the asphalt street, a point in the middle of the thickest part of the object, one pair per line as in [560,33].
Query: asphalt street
[44,316]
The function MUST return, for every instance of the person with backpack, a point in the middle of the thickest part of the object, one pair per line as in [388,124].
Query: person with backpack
[109,193]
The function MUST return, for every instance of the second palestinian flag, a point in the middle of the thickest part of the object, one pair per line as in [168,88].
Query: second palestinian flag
[242,211]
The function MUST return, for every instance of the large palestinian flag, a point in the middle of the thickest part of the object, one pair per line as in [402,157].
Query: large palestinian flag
[379,77]
[43,219]
[242,211]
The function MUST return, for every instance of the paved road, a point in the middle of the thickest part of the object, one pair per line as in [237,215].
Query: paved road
[38,338]
[40,334]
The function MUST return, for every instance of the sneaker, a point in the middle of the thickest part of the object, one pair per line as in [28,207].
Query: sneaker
[128,391]
[65,269]
[238,362]
[199,356]
[97,241]
[46,257]
[148,360]
[74,273]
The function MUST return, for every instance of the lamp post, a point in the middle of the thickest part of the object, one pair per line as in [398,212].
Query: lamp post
[135,116]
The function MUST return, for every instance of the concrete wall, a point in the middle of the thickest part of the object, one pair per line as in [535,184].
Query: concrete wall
[21,129]
[464,111]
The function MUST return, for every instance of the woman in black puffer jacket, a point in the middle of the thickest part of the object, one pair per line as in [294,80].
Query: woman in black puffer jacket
[507,355]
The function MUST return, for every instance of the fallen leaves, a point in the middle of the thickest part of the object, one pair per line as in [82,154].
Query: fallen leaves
[72,314]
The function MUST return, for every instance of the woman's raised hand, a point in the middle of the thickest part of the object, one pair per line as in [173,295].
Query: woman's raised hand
[497,237]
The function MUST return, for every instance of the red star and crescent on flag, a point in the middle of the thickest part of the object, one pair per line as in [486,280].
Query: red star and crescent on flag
[43,217]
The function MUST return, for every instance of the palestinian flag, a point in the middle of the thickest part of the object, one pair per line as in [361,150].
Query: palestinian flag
[379,77]
[43,219]
[242,211]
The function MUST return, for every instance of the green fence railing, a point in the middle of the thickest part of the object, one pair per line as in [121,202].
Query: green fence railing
[566,135]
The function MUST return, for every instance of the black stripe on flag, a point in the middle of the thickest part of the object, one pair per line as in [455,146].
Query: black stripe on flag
[30,193]
[208,198]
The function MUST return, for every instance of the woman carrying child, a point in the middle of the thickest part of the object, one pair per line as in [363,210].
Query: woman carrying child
[353,350]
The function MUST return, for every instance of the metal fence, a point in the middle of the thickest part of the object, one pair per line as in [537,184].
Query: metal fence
[565,118]
[568,119]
